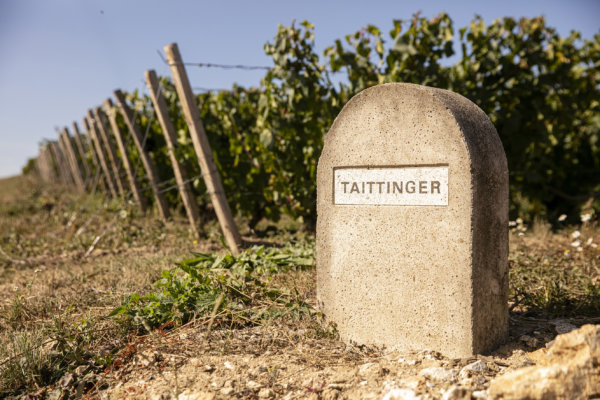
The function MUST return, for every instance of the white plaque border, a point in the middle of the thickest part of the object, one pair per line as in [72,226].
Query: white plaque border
[402,166]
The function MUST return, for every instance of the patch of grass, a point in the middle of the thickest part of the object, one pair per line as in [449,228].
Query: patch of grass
[234,290]
[556,275]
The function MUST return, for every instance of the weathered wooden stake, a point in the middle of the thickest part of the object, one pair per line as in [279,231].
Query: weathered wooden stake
[58,163]
[45,164]
[96,167]
[110,149]
[133,184]
[185,190]
[202,148]
[64,161]
[161,201]
[82,153]
[93,135]
[72,158]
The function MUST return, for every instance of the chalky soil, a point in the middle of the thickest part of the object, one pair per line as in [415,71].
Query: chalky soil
[412,239]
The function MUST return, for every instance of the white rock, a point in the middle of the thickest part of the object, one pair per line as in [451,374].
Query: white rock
[476,367]
[439,374]
[253,385]
[368,369]
[401,394]
[228,365]
[265,393]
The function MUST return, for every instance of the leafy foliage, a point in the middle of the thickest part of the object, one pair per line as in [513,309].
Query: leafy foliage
[234,289]
[540,90]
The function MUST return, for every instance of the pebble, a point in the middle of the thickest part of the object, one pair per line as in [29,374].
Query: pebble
[253,385]
[562,327]
[228,365]
[401,394]
[369,369]
[265,393]
[439,374]
[477,367]
[529,341]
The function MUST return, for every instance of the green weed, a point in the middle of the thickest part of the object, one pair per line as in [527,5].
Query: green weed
[225,288]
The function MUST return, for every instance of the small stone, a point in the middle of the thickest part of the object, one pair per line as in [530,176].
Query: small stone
[226,391]
[253,385]
[369,369]
[265,393]
[529,341]
[66,380]
[457,393]
[208,368]
[401,394]
[439,374]
[56,394]
[196,396]
[228,365]
[562,327]
[81,370]
[478,366]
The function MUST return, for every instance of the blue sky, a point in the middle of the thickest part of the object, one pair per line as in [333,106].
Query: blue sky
[61,57]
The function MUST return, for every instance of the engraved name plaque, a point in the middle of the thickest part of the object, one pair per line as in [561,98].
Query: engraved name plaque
[391,186]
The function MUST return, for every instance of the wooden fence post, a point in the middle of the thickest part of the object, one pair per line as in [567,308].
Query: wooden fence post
[72,158]
[45,164]
[202,148]
[91,124]
[162,112]
[96,167]
[51,173]
[161,201]
[110,149]
[135,188]
[64,162]
[58,163]
[82,153]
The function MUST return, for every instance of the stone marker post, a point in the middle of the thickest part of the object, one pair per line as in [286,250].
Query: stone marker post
[412,227]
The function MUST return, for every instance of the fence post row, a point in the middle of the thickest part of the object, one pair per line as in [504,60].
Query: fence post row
[162,112]
[92,133]
[135,188]
[161,201]
[82,154]
[76,172]
[54,151]
[202,148]
[111,154]
[46,164]
[96,168]
[64,163]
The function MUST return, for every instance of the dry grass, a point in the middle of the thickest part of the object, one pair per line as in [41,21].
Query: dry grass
[55,293]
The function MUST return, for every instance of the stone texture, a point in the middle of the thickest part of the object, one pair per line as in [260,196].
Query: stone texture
[416,277]
[570,369]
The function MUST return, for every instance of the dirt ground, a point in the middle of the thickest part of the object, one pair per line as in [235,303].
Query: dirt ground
[59,283]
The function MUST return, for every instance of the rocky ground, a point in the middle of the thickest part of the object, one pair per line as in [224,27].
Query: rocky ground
[67,262]
[272,362]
